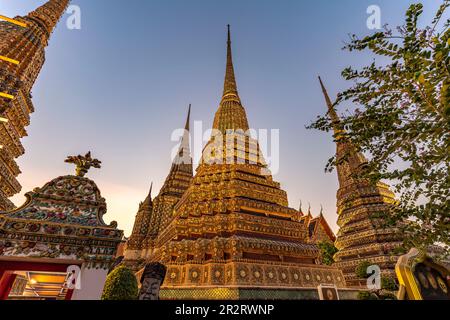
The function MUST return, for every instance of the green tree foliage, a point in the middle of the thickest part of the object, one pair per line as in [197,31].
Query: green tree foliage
[401,119]
[361,270]
[121,284]
[389,284]
[370,295]
[327,251]
[386,292]
[366,295]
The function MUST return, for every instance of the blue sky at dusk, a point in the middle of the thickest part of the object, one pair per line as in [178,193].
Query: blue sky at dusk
[122,84]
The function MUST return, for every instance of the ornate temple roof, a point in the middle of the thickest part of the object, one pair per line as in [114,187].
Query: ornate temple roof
[318,222]
[61,220]
[315,224]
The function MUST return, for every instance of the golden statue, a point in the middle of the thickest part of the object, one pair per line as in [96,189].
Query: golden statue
[83,163]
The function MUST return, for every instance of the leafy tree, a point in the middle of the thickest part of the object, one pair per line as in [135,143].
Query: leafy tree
[389,284]
[371,295]
[401,120]
[366,295]
[327,251]
[121,284]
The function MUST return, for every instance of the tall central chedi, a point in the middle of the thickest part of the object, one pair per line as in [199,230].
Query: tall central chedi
[232,234]
[22,55]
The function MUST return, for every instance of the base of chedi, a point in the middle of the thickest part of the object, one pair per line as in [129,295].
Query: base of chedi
[237,248]
[253,271]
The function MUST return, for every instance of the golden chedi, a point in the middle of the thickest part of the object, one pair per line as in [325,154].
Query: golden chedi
[232,234]
[22,55]
[361,237]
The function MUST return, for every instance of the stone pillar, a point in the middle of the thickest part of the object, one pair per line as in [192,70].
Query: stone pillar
[92,283]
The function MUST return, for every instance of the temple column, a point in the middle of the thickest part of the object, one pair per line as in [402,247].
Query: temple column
[69,295]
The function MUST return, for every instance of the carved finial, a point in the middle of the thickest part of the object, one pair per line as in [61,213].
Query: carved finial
[309,208]
[150,192]
[188,119]
[300,207]
[83,163]
[321,210]
[331,110]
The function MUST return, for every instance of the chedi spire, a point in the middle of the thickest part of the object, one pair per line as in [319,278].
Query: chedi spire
[48,15]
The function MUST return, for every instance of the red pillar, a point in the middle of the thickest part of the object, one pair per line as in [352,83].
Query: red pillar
[69,294]
[6,284]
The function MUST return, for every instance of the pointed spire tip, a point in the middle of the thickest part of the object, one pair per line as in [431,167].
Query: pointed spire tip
[321,82]
[230,86]
[188,119]
[229,34]
[331,111]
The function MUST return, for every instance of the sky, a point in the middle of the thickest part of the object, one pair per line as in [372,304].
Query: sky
[120,86]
